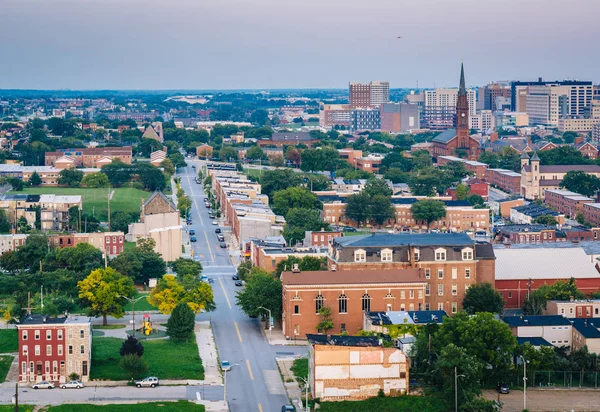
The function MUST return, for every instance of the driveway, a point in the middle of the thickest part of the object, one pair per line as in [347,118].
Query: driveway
[549,400]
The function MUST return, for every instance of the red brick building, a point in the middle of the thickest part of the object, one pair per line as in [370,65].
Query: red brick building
[89,157]
[591,213]
[506,180]
[566,202]
[588,150]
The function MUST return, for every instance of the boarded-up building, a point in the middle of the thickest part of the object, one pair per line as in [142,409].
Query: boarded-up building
[355,367]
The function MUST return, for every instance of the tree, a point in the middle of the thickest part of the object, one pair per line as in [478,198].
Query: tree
[276,160]
[70,177]
[424,182]
[16,183]
[150,176]
[294,197]
[275,180]
[131,346]
[312,160]
[147,146]
[580,218]
[259,117]
[23,225]
[293,155]
[227,153]
[381,209]
[396,175]
[483,298]
[95,180]
[134,365]
[462,191]
[261,289]
[118,173]
[563,155]
[185,267]
[180,326]
[326,323]
[559,290]
[83,258]
[256,153]
[546,220]
[377,187]
[358,208]
[307,263]
[298,221]
[569,137]
[4,222]
[35,179]
[169,292]
[102,293]
[428,210]
[120,220]
[581,182]
[476,200]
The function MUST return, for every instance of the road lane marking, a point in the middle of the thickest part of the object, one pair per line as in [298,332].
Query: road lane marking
[212,259]
[238,331]
[209,249]
[249,370]
[226,297]
[260,408]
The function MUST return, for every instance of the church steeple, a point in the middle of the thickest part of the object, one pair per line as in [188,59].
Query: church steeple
[462,88]
[462,103]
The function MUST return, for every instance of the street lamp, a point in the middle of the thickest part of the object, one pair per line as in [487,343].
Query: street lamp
[456,376]
[132,301]
[525,362]
[270,325]
[306,387]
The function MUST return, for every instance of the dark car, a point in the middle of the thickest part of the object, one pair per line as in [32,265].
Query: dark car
[189,221]
[206,199]
[238,283]
[235,277]
[223,245]
[220,238]
[192,232]
[193,239]
[349,229]
[503,388]
[288,408]
[218,230]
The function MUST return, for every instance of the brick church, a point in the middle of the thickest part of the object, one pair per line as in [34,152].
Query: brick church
[452,141]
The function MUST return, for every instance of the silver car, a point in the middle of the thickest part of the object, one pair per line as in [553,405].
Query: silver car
[72,385]
[43,385]
[151,381]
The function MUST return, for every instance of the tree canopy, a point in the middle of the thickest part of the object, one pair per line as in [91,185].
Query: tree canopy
[169,292]
[294,197]
[428,210]
[580,182]
[261,289]
[483,298]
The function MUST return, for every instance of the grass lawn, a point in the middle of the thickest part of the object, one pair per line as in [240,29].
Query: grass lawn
[182,406]
[257,173]
[11,408]
[5,362]
[125,199]
[166,359]
[141,305]
[398,404]
[8,341]
[108,326]
[128,246]
[300,369]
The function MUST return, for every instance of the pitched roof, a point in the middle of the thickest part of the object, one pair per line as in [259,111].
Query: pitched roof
[568,168]
[164,197]
[344,277]
[405,239]
[534,341]
[445,136]
[587,327]
[543,263]
[550,320]
[150,133]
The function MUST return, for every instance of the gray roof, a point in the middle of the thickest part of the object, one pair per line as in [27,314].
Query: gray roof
[445,136]
[543,263]
[405,239]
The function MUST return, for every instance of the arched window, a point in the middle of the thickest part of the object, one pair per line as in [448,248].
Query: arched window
[319,303]
[366,302]
[343,303]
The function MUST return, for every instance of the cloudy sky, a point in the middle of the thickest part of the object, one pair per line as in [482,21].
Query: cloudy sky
[268,44]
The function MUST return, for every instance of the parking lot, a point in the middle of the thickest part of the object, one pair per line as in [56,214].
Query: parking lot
[549,400]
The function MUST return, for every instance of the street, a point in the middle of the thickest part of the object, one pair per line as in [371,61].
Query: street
[254,382]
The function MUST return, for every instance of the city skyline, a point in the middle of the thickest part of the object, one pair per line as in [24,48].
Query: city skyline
[234,45]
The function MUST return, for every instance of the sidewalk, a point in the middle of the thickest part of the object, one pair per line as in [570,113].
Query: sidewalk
[208,353]
[289,381]
[277,336]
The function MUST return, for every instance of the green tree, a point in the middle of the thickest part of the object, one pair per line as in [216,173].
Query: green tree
[293,155]
[581,182]
[141,263]
[396,175]
[259,117]
[256,153]
[299,221]
[22,225]
[102,293]
[4,222]
[95,180]
[276,160]
[275,180]
[325,323]
[227,153]
[294,197]
[305,264]
[83,258]
[134,365]
[377,187]
[424,183]
[312,160]
[546,220]
[462,191]
[185,267]
[180,326]
[118,173]
[569,137]
[559,290]
[169,292]
[35,179]
[147,146]
[261,289]
[428,211]
[476,200]
[580,218]
[70,177]
[132,346]
[381,209]
[358,208]
[120,220]
[563,155]
[483,298]
[16,183]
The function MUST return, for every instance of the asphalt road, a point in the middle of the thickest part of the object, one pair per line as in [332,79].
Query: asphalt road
[254,382]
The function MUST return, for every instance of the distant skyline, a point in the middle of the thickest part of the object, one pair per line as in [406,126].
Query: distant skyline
[269,44]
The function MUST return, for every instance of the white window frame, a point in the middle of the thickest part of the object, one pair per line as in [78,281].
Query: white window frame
[467,253]
[467,273]
[454,273]
[387,255]
[417,255]
[454,289]
[440,254]
[440,289]
[360,255]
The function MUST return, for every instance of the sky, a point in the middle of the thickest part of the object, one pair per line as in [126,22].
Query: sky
[272,44]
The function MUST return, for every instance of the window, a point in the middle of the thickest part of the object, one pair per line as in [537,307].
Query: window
[296,309]
[31,368]
[454,273]
[466,288]
[37,350]
[25,349]
[37,335]
[412,294]
[509,295]
[440,273]
[47,367]
[420,294]
[60,350]
[427,273]
[366,302]
[427,289]
[82,333]
[343,303]
[417,255]
[70,333]
[319,303]
[59,334]
[343,327]
[440,290]
[70,349]
[55,367]
[440,305]
[467,254]
[468,273]
[440,254]
[107,239]
[402,294]
[454,307]
[454,290]
[82,349]
[23,368]
[386,255]
[48,350]
[48,335]
[360,256]
[24,335]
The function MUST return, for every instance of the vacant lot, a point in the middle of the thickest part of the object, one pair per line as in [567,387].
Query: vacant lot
[182,406]
[95,200]
[8,341]
[166,360]
[5,362]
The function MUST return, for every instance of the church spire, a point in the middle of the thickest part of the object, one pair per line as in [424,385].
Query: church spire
[462,88]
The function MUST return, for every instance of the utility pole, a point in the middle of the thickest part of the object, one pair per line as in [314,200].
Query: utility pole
[42,297]
[79,225]
[17,395]
[108,197]
[525,362]
[28,303]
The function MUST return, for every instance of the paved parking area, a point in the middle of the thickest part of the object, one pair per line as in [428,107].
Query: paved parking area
[553,400]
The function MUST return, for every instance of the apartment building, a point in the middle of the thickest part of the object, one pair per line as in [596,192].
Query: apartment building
[255,220]
[577,97]
[11,242]
[526,214]
[365,119]
[483,121]
[111,243]
[502,207]
[371,94]
[48,174]
[566,202]
[399,117]
[546,104]
[332,115]
[320,238]
[574,308]
[439,110]
[591,213]
[53,348]
[91,157]
[268,257]
[504,179]
[55,210]
[556,330]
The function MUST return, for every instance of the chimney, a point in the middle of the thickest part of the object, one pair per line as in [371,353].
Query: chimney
[295,268]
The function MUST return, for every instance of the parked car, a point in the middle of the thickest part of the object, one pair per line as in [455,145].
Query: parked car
[43,385]
[211,216]
[225,366]
[193,239]
[218,230]
[349,229]
[288,408]
[220,238]
[192,232]
[239,283]
[72,385]
[223,245]
[151,381]
[214,222]
[206,199]
[204,278]
[235,277]
[503,388]
[193,166]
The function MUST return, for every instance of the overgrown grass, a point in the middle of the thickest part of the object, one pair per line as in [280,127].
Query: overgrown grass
[141,305]
[8,341]
[166,359]
[11,408]
[128,246]
[389,404]
[5,362]
[108,326]
[300,369]
[136,407]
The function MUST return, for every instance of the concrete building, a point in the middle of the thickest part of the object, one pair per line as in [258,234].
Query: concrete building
[511,119]
[372,94]
[556,330]
[365,119]
[355,367]
[11,242]
[439,110]
[502,207]
[399,117]
[579,93]
[489,93]
[586,333]
[573,309]
[332,115]
[483,121]
[526,214]
[53,348]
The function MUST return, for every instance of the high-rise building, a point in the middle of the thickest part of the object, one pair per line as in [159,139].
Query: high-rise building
[439,111]
[546,104]
[365,119]
[519,91]
[490,92]
[332,115]
[371,94]
[399,117]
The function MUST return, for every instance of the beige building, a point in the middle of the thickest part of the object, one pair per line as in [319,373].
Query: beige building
[9,243]
[55,210]
[355,367]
